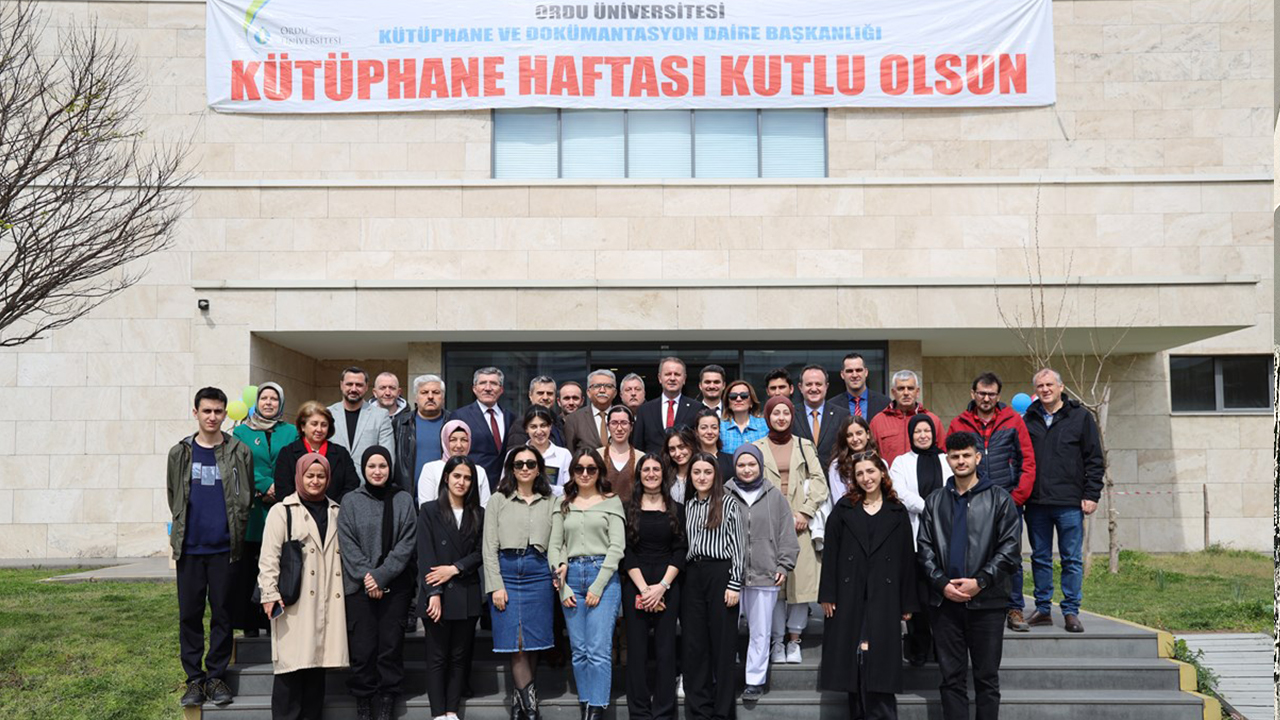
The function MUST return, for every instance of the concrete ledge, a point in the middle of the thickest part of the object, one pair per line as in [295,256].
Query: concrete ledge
[152,569]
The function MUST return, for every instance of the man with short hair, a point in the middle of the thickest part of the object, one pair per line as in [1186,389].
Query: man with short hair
[968,544]
[631,392]
[568,399]
[1008,461]
[209,482]
[489,422]
[418,432]
[815,418]
[587,428]
[386,394]
[862,400]
[670,409]
[778,382]
[889,428]
[358,426]
[711,382]
[542,391]
[1069,475]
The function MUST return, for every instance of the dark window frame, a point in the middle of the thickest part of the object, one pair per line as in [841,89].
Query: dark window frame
[1219,394]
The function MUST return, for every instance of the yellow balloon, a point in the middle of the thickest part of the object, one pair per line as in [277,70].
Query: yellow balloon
[237,410]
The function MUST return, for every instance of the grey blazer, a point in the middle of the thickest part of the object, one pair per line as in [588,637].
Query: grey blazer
[372,428]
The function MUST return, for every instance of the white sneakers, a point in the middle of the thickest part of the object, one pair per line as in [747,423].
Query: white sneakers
[680,686]
[778,655]
[792,652]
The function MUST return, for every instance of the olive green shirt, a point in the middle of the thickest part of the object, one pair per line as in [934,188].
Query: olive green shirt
[512,524]
[598,530]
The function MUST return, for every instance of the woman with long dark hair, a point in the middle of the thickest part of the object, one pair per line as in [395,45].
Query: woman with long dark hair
[678,446]
[706,428]
[712,587]
[588,537]
[517,531]
[619,452]
[449,560]
[655,557]
[868,593]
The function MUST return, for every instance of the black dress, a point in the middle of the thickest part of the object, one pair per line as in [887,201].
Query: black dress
[657,546]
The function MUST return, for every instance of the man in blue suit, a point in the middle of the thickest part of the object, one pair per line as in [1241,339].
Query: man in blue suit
[489,422]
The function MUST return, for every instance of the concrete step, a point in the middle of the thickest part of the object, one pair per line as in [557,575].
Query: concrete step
[491,677]
[797,705]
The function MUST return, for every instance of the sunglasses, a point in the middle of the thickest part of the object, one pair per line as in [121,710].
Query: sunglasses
[584,470]
[525,465]
[739,396]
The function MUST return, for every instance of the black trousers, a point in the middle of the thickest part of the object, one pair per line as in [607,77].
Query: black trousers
[298,695]
[710,634]
[201,578]
[245,613]
[659,701]
[375,640]
[962,636]
[873,706]
[919,638]
[448,648]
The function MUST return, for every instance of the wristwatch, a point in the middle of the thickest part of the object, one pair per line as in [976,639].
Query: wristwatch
[982,582]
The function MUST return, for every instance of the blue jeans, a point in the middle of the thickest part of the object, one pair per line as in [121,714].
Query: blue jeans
[1042,520]
[591,630]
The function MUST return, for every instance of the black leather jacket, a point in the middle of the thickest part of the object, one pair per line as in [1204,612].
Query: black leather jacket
[995,542]
[406,435]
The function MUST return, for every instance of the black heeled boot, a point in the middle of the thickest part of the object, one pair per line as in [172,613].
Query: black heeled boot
[386,704]
[595,713]
[364,708]
[529,702]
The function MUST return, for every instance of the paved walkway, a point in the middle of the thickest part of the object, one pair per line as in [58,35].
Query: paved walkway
[1244,667]
[153,569]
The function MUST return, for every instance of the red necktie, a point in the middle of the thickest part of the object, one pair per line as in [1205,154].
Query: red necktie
[493,426]
[857,406]
[671,413]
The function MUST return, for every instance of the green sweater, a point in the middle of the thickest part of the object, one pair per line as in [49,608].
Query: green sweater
[598,530]
[265,448]
[512,524]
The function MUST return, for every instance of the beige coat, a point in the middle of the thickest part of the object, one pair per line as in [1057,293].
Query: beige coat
[807,493]
[312,633]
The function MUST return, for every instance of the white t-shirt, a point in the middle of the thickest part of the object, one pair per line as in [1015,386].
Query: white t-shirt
[557,461]
[429,483]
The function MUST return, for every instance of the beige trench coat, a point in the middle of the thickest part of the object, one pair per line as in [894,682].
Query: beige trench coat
[807,493]
[312,633]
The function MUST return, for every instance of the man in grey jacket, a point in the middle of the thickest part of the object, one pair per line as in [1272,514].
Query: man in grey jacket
[358,426]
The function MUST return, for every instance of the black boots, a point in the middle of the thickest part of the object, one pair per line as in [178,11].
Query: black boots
[527,700]
[595,713]
[364,708]
[386,704]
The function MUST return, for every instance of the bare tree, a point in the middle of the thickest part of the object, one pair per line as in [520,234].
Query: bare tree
[1041,327]
[84,194]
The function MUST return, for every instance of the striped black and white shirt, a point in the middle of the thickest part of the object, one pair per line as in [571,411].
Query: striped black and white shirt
[722,543]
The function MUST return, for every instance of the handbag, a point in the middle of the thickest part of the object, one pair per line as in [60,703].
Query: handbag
[289,579]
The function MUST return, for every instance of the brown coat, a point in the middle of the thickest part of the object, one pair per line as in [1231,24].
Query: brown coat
[581,431]
[312,633]
[807,493]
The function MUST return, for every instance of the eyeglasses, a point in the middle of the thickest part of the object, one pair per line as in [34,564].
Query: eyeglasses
[584,470]
[739,396]
[602,386]
[982,394]
[525,464]
[619,423]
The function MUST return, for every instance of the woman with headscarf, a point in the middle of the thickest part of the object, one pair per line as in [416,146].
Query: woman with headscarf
[311,634]
[265,434]
[791,463]
[455,441]
[771,550]
[915,475]
[315,427]
[376,532]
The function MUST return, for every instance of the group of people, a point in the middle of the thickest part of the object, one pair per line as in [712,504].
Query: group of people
[683,517]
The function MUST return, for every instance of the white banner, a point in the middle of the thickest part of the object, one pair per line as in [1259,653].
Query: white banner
[332,56]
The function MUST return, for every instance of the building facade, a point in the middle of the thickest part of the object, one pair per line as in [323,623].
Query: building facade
[319,240]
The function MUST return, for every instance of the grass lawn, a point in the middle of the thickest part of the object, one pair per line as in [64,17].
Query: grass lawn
[1211,590]
[89,650]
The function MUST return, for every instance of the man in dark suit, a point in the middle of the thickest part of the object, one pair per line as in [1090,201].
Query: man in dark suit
[860,399]
[542,391]
[817,412]
[584,428]
[488,421]
[670,409]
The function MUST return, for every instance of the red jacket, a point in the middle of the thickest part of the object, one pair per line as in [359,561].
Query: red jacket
[1008,459]
[889,428]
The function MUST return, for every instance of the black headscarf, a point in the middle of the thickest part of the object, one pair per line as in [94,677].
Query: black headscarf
[384,494]
[928,465]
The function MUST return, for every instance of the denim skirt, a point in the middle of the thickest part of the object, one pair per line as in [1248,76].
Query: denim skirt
[526,623]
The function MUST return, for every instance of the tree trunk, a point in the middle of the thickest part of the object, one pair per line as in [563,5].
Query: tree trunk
[1108,487]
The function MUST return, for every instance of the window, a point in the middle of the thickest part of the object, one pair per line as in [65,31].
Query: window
[1225,383]
[548,143]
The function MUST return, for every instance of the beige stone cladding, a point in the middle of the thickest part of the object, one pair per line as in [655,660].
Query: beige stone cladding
[1148,183]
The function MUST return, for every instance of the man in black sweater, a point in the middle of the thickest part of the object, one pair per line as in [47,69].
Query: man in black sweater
[969,542]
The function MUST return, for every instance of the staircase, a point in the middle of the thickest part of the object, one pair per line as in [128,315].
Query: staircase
[1113,671]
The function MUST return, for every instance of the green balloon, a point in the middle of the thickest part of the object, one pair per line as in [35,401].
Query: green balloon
[237,410]
[250,395]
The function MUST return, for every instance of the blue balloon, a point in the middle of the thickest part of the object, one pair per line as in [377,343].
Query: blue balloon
[1020,402]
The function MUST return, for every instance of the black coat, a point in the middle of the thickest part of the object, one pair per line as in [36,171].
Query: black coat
[440,542]
[872,587]
[993,546]
[405,430]
[342,467]
[1069,463]
[651,422]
